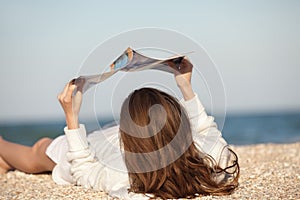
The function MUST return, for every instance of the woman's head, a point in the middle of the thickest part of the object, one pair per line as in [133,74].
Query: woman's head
[160,154]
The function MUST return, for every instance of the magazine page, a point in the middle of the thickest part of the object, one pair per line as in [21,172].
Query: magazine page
[129,61]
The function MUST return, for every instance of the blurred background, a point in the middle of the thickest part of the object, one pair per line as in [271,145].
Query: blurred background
[254,44]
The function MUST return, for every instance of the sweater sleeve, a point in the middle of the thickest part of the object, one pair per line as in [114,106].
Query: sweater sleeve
[89,172]
[205,132]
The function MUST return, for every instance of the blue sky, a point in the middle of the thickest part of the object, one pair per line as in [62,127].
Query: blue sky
[255,45]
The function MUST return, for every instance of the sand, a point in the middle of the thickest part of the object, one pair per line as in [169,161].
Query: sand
[268,171]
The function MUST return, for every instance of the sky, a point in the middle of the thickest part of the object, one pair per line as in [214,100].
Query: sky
[255,46]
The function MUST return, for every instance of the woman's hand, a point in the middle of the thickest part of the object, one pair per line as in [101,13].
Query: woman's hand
[183,75]
[71,104]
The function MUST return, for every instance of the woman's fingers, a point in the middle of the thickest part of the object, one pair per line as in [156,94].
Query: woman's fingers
[184,66]
[66,95]
[62,95]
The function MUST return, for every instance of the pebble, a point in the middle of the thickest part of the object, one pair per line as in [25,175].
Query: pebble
[252,176]
[268,171]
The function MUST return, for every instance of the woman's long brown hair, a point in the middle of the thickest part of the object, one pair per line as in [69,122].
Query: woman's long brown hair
[180,170]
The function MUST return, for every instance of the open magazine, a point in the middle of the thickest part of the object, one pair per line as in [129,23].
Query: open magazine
[129,61]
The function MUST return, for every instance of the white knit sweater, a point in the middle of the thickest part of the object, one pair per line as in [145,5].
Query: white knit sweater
[95,160]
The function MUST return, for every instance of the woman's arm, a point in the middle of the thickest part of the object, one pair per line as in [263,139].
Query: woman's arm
[71,104]
[205,131]
[86,170]
[183,75]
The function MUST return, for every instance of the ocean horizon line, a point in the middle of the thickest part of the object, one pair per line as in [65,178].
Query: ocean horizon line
[105,118]
[243,129]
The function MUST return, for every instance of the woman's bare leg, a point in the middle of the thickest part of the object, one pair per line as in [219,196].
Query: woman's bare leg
[4,166]
[27,159]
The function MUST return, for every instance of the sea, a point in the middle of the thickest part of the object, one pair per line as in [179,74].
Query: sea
[237,130]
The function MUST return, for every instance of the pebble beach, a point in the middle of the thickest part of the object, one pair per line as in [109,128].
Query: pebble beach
[268,171]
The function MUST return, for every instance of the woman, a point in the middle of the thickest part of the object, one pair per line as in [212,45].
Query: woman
[164,148]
